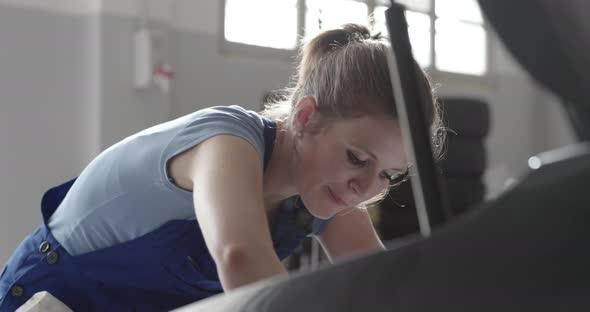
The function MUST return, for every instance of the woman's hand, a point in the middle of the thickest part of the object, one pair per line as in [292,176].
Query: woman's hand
[348,234]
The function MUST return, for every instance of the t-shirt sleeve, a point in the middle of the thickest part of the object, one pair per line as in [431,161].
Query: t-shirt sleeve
[209,122]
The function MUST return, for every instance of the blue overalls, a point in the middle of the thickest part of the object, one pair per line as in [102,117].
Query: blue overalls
[162,270]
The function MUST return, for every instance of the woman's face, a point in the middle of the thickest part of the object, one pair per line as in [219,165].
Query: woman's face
[347,163]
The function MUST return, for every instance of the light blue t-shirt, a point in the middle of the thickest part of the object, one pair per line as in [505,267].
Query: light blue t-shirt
[125,192]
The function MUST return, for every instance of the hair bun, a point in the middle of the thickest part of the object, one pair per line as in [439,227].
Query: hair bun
[332,39]
[346,34]
[356,32]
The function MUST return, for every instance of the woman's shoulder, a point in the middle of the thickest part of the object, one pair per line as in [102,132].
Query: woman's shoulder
[213,121]
[199,121]
[231,112]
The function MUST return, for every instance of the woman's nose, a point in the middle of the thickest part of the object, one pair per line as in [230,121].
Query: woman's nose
[362,184]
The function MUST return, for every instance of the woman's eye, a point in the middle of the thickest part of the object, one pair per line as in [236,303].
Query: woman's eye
[355,160]
[396,179]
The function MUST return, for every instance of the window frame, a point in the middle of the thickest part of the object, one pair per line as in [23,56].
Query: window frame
[234,49]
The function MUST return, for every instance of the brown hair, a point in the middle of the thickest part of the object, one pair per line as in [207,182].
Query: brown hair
[346,71]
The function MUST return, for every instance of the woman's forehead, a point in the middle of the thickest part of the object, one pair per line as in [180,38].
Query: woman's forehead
[369,129]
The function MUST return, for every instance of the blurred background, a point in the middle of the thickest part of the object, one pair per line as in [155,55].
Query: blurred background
[79,75]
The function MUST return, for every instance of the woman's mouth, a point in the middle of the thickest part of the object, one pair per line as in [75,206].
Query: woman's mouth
[336,198]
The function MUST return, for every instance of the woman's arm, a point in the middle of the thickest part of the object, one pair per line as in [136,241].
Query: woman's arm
[348,234]
[226,175]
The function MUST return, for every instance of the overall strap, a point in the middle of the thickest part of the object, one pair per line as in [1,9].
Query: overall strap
[270,131]
[53,198]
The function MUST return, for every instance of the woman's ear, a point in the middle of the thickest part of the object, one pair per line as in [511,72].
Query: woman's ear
[306,109]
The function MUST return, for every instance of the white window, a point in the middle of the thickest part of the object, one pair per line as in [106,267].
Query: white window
[265,23]
[446,35]
[324,14]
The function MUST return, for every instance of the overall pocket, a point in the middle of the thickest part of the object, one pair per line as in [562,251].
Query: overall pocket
[189,271]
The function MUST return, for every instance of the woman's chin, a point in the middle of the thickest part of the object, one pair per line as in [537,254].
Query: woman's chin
[323,216]
[322,210]
[324,213]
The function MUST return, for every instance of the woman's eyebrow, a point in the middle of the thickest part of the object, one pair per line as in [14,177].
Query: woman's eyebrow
[375,157]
